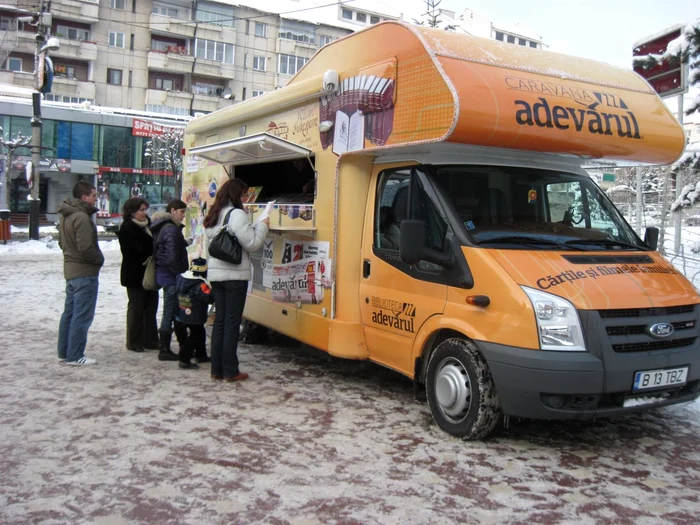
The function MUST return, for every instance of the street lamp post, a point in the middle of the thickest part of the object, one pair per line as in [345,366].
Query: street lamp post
[43,46]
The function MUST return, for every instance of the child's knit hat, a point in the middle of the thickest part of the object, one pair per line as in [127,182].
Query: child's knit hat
[199,266]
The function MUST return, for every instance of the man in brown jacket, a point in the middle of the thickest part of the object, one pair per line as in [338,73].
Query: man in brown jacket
[82,260]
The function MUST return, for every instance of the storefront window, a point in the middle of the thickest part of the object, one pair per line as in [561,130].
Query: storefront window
[82,140]
[63,142]
[114,189]
[116,146]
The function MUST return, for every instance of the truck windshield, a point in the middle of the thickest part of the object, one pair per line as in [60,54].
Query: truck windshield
[535,209]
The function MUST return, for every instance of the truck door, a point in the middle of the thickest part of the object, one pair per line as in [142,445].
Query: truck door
[395,298]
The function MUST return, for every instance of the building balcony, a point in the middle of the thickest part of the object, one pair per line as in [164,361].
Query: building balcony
[76,49]
[177,99]
[170,61]
[216,32]
[169,25]
[212,68]
[207,103]
[73,87]
[26,42]
[78,10]
[18,78]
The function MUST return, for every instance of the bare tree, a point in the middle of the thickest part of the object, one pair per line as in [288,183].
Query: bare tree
[12,143]
[166,149]
[433,16]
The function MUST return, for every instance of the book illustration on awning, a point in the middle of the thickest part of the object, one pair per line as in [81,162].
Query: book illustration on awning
[363,109]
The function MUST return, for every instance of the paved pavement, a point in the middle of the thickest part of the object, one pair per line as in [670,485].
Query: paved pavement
[308,440]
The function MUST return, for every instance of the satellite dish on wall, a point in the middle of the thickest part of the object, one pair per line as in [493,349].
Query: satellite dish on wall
[228,94]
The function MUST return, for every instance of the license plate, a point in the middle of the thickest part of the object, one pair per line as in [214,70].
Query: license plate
[660,378]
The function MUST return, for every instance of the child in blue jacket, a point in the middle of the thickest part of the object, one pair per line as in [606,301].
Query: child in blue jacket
[194,297]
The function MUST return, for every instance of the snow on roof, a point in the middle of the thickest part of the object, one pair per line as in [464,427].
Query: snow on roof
[10,94]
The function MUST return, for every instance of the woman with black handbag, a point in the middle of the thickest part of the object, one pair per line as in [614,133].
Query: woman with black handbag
[136,243]
[229,280]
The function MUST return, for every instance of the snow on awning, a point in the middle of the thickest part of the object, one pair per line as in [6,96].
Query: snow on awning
[261,147]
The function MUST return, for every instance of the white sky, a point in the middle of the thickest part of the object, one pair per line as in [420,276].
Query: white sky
[602,30]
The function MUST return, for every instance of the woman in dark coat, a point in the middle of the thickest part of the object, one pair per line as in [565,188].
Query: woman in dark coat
[136,243]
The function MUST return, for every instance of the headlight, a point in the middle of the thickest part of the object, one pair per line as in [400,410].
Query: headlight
[558,324]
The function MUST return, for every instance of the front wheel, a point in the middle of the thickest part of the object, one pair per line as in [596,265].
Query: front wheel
[461,392]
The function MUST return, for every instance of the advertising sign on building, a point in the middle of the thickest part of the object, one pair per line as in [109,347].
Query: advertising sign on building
[147,128]
[666,78]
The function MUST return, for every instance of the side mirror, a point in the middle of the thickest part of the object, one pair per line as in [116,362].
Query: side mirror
[412,249]
[412,241]
[651,237]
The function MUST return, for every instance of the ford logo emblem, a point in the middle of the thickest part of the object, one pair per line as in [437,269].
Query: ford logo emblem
[661,329]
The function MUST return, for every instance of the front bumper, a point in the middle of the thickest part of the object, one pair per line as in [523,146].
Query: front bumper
[583,385]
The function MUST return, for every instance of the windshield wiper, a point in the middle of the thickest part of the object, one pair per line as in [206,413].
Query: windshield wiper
[525,241]
[604,242]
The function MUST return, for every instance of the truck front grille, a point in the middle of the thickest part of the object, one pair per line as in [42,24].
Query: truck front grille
[628,330]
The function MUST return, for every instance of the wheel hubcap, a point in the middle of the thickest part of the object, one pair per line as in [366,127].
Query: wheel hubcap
[452,390]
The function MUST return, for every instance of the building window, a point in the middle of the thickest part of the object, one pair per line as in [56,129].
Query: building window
[257,93]
[116,4]
[324,40]
[522,42]
[533,44]
[217,14]
[373,19]
[207,89]
[260,29]
[511,39]
[167,110]
[164,83]
[361,17]
[290,64]
[347,14]
[296,34]
[259,63]
[12,64]
[165,11]
[211,50]
[72,33]
[61,70]
[51,97]
[499,36]
[114,77]
[116,39]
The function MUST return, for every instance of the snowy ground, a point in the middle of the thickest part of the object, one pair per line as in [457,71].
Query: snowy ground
[307,440]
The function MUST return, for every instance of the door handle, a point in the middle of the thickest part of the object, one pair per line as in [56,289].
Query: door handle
[365,268]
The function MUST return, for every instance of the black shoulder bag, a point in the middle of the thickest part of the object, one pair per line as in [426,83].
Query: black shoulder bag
[224,246]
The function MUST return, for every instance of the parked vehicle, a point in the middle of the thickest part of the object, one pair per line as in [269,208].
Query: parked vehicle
[514,286]
[112,224]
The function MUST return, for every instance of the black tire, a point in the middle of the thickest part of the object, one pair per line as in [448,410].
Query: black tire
[461,392]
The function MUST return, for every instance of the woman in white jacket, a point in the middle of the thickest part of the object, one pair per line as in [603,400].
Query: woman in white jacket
[230,281]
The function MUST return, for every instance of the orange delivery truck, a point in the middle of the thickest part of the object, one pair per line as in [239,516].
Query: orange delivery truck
[430,213]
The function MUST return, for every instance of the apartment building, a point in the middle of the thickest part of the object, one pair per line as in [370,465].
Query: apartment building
[178,57]
[473,23]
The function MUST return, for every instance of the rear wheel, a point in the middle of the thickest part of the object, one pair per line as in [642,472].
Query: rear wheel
[461,392]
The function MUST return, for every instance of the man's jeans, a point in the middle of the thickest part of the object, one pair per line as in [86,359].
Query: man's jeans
[169,312]
[78,313]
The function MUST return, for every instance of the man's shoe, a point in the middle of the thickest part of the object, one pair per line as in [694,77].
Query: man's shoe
[167,356]
[203,359]
[240,377]
[82,361]
[139,350]
[188,366]
[216,378]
